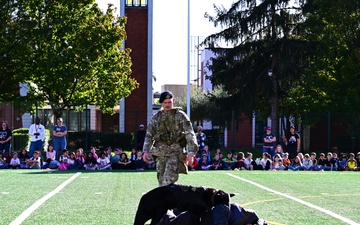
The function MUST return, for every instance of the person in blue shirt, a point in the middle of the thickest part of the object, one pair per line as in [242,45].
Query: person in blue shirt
[269,142]
[59,133]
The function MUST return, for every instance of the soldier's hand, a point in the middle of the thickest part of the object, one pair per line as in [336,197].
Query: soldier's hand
[189,160]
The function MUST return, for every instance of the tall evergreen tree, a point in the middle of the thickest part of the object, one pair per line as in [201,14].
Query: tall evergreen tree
[263,58]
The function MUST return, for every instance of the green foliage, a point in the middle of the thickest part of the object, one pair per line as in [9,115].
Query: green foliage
[21,131]
[100,140]
[71,55]
[20,141]
[263,57]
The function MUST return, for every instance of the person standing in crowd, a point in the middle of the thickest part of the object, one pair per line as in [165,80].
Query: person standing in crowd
[37,133]
[140,137]
[5,137]
[59,133]
[200,137]
[292,142]
[269,142]
[168,132]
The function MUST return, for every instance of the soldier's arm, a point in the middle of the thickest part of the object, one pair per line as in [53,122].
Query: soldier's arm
[190,135]
[149,136]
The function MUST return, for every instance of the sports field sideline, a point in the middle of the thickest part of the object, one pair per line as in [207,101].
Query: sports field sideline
[111,197]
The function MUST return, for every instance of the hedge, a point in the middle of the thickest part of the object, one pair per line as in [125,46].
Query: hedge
[99,140]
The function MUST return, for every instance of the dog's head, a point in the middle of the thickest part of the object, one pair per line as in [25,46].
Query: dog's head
[221,197]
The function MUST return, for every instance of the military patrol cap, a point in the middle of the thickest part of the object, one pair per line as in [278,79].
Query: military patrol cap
[165,95]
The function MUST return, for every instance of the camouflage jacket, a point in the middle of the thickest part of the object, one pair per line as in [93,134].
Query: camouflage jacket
[165,131]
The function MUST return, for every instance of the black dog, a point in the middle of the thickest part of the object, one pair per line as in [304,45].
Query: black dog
[197,200]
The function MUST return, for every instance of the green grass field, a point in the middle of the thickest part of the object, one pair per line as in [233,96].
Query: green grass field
[111,197]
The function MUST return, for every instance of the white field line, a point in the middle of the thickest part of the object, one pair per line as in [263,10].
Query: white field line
[39,202]
[337,216]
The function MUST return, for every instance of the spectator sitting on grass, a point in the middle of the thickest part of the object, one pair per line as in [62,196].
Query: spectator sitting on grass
[240,161]
[249,163]
[23,157]
[343,163]
[277,163]
[93,151]
[64,160]
[115,159]
[351,163]
[314,161]
[14,162]
[51,161]
[139,162]
[265,161]
[124,162]
[203,163]
[279,150]
[149,161]
[229,162]
[296,164]
[307,163]
[3,163]
[103,163]
[34,162]
[332,161]
[323,164]
[358,161]
[90,162]
[217,164]
[286,161]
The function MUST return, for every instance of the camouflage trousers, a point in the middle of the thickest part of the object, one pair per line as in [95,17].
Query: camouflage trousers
[167,169]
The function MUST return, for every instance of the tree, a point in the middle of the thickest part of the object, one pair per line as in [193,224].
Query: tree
[10,53]
[74,54]
[264,57]
[205,106]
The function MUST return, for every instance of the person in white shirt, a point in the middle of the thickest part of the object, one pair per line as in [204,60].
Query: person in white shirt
[103,162]
[15,161]
[37,133]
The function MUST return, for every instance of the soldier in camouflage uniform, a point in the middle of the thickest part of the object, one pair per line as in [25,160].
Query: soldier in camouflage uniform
[167,135]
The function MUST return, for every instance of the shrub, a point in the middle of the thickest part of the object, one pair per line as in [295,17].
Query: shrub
[20,141]
[99,140]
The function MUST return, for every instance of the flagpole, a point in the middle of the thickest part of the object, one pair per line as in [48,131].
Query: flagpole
[188,61]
